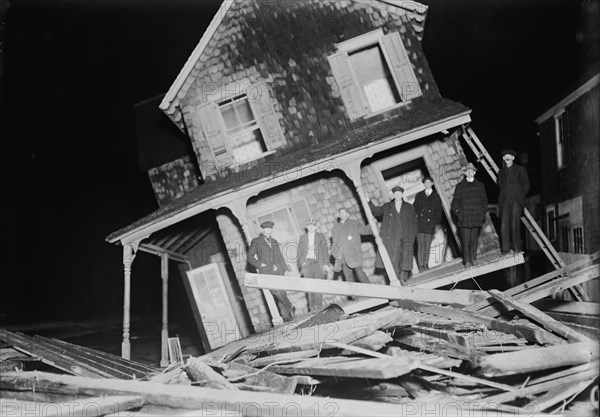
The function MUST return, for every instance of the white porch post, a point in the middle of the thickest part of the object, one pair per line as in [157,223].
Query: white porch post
[164,334]
[238,208]
[129,251]
[352,170]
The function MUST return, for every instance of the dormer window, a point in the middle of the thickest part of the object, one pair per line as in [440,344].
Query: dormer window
[373,73]
[239,123]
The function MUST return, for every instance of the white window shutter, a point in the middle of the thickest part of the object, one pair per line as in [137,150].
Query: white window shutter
[400,65]
[210,118]
[260,101]
[348,87]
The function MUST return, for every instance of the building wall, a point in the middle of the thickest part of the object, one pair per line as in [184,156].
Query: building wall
[286,45]
[325,193]
[173,179]
[581,175]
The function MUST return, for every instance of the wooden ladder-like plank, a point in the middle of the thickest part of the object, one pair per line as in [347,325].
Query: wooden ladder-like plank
[492,169]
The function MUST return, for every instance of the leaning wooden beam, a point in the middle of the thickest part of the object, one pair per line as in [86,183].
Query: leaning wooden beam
[275,282]
[556,396]
[545,290]
[537,359]
[540,317]
[571,269]
[89,407]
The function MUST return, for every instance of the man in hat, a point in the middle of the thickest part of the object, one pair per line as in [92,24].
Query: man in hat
[265,255]
[514,186]
[428,207]
[398,232]
[345,239]
[469,205]
[312,253]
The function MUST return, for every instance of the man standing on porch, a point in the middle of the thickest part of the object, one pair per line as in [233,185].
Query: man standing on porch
[312,253]
[265,255]
[428,207]
[398,232]
[469,205]
[345,239]
[514,186]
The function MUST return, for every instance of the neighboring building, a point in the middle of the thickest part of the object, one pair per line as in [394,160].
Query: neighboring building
[293,110]
[570,165]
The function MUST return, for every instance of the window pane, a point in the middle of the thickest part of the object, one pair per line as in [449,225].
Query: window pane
[247,144]
[229,116]
[374,77]
[244,111]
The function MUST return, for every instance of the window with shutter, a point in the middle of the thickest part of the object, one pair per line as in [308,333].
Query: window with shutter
[240,124]
[373,73]
[561,139]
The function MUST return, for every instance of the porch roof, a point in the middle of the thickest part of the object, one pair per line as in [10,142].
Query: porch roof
[424,119]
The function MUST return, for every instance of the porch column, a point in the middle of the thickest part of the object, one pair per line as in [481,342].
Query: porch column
[129,251]
[352,170]
[238,208]
[164,334]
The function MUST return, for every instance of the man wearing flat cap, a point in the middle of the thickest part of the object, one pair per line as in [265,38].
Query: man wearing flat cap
[346,246]
[265,255]
[398,232]
[469,205]
[428,207]
[514,186]
[312,254]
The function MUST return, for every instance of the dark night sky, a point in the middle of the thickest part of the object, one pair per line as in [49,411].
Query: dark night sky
[72,71]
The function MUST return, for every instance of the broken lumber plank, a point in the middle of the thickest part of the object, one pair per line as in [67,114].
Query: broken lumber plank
[433,369]
[434,345]
[424,357]
[529,294]
[210,401]
[528,333]
[88,407]
[374,341]
[288,357]
[560,383]
[372,368]
[203,375]
[555,396]
[274,282]
[568,307]
[262,378]
[537,359]
[329,314]
[363,305]
[540,317]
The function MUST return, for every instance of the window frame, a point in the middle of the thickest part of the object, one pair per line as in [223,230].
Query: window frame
[375,37]
[551,224]
[560,140]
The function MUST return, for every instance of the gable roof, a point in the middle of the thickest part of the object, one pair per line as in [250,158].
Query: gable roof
[416,12]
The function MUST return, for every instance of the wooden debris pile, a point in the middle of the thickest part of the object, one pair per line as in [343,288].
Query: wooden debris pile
[501,354]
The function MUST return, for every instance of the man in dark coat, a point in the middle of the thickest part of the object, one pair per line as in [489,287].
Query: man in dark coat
[514,186]
[312,254]
[265,255]
[469,205]
[398,232]
[428,207]
[345,239]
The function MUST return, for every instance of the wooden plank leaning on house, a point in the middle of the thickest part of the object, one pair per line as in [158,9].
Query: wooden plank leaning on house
[541,286]
[88,407]
[275,282]
[540,317]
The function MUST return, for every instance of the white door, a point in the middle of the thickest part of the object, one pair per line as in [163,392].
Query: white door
[213,304]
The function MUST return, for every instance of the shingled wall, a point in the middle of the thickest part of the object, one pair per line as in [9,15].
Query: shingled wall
[286,45]
[173,179]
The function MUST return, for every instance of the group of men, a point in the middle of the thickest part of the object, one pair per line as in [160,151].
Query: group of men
[402,224]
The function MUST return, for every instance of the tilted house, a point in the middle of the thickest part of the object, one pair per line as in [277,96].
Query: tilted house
[293,110]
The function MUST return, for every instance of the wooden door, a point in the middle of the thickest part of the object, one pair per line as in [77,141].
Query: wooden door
[216,311]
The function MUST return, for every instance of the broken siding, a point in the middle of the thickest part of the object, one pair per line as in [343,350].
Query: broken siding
[286,45]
